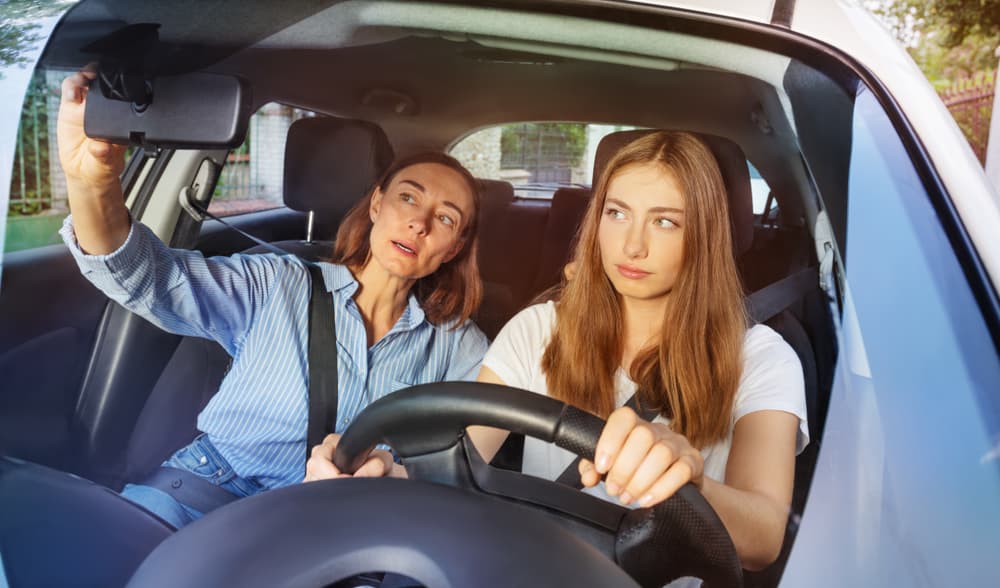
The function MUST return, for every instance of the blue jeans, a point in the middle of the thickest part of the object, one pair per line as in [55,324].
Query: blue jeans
[200,457]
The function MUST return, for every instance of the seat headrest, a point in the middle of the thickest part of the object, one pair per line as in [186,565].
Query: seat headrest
[735,175]
[331,163]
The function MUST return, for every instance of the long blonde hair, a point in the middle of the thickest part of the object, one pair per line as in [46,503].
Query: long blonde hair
[691,374]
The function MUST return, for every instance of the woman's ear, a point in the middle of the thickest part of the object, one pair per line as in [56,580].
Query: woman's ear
[375,205]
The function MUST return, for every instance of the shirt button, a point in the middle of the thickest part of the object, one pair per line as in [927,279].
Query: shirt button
[345,421]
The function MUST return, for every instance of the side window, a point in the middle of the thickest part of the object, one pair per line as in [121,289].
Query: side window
[38,202]
[759,189]
[537,158]
[254,173]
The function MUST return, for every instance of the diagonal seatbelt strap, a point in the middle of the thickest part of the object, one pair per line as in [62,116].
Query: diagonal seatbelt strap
[322,361]
[199,209]
[766,303]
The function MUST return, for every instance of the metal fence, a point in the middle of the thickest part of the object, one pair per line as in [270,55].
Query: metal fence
[971,104]
[32,191]
[548,152]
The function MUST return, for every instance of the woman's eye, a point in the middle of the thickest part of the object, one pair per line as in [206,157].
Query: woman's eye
[615,214]
[407,198]
[446,219]
[665,223]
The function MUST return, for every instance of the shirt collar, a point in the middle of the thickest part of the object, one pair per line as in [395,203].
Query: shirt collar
[339,279]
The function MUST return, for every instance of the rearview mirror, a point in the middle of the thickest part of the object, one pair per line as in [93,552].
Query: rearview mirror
[196,110]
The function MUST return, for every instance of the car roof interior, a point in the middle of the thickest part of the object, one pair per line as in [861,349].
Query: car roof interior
[428,73]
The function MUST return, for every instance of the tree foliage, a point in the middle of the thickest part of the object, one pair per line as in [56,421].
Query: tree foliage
[19,27]
[949,39]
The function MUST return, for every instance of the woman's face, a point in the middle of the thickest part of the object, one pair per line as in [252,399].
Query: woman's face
[418,220]
[641,232]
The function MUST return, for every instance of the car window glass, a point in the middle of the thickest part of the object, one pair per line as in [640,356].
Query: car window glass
[37,204]
[759,189]
[253,176]
[537,158]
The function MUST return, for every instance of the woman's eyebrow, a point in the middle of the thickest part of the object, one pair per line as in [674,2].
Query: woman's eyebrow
[659,209]
[414,184]
[654,210]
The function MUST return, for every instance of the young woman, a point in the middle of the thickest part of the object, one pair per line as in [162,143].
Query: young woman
[654,308]
[404,280]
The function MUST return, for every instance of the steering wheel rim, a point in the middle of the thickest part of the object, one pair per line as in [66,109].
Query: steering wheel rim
[425,425]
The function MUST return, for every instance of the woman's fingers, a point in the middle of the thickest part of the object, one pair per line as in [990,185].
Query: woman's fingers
[657,461]
[616,431]
[684,470]
[632,455]
[642,461]
[588,474]
[379,464]
[320,466]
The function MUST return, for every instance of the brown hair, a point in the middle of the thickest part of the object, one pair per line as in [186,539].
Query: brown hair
[454,290]
[691,374]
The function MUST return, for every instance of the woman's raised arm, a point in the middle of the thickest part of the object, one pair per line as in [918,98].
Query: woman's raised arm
[92,168]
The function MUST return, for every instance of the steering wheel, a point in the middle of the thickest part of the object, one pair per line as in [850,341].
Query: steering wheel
[457,521]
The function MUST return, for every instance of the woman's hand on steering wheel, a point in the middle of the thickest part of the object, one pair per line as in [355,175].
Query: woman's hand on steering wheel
[642,461]
[320,464]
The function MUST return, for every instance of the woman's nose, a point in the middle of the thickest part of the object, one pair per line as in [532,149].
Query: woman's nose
[419,224]
[635,243]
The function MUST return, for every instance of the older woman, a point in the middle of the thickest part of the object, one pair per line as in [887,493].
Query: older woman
[403,278]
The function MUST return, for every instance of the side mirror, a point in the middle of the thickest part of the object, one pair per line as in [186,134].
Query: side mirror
[195,110]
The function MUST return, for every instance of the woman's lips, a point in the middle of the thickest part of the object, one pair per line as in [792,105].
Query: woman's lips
[405,249]
[632,273]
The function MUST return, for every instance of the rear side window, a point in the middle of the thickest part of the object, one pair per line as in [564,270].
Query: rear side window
[253,176]
[537,158]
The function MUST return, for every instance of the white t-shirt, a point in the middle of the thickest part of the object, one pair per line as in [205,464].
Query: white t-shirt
[772,380]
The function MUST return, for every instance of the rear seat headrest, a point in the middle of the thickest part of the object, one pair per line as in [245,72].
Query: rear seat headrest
[735,175]
[495,193]
[332,163]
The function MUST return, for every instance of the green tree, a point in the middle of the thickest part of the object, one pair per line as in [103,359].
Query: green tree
[949,39]
[19,28]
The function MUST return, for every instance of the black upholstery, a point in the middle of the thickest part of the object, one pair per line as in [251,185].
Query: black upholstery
[565,217]
[495,199]
[329,165]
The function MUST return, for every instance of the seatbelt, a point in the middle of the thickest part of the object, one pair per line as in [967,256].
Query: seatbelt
[191,489]
[762,305]
[766,303]
[193,207]
[322,362]
[322,344]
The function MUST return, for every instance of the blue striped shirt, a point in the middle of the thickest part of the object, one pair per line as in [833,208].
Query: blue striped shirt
[256,307]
